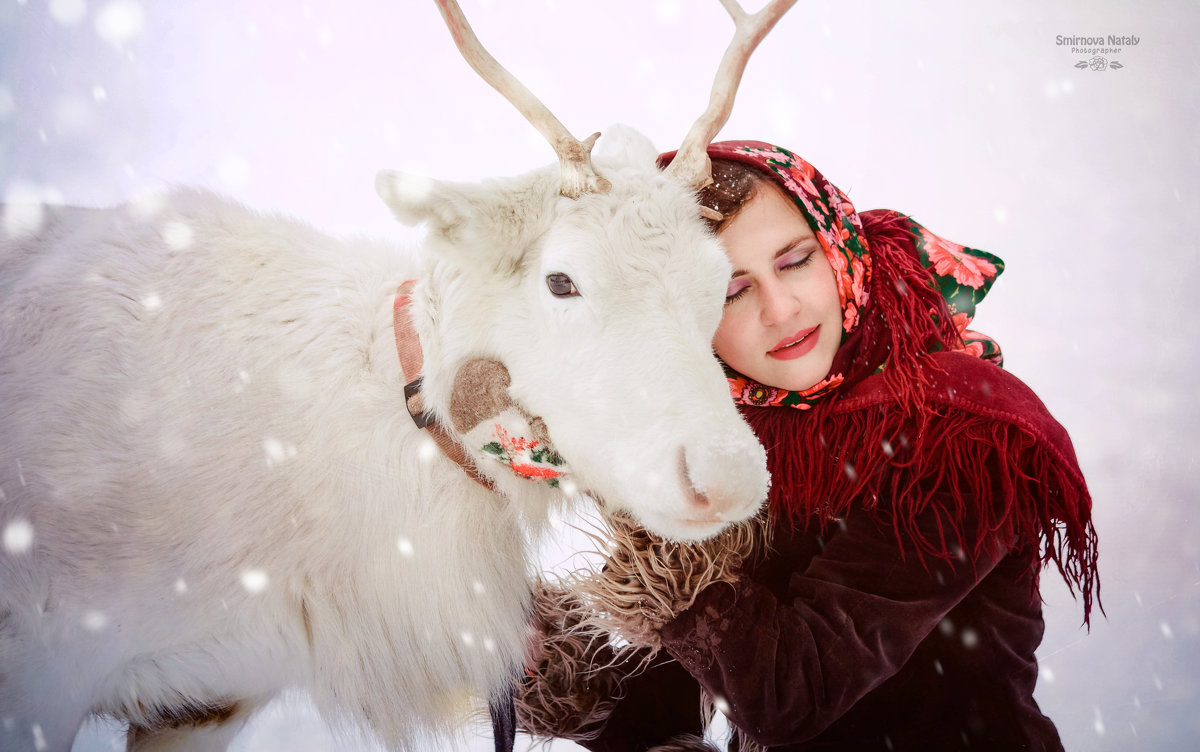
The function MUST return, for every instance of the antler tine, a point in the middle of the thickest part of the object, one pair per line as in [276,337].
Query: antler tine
[691,165]
[574,156]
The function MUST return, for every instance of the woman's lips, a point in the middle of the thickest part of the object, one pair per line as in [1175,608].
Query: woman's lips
[799,344]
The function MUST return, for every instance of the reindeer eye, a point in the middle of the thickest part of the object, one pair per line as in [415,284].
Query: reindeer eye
[561,285]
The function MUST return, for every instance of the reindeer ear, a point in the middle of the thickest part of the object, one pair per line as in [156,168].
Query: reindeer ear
[411,197]
[487,225]
[621,145]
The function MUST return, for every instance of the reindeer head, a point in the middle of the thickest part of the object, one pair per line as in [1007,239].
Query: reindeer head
[599,288]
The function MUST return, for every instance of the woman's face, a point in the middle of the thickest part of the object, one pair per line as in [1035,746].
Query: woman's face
[783,318]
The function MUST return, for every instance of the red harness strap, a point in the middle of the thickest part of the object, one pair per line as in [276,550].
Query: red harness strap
[411,361]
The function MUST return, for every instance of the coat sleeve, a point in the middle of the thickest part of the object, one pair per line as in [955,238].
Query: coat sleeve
[784,668]
[655,706]
[604,700]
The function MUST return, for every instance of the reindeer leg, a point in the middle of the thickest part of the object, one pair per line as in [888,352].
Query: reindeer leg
[41,730]
[39,708]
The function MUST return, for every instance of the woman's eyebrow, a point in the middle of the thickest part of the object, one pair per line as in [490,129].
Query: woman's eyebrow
[789,246]
[795,244]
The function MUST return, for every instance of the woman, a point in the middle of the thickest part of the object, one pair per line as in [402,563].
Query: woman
[917,490]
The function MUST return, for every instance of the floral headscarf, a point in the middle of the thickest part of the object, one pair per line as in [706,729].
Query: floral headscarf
[907,293]
[962,275]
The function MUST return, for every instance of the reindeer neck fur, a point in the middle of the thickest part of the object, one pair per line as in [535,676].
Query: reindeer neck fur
[245,417]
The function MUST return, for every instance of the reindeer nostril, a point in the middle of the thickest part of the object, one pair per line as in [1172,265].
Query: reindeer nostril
[695,496]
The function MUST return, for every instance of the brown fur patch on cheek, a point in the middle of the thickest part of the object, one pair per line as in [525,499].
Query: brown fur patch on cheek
[480,392]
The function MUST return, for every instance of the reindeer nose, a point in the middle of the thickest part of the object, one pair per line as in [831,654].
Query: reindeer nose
[696,497]
[725,481]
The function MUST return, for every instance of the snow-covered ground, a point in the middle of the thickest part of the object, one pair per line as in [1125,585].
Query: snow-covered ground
[972,117]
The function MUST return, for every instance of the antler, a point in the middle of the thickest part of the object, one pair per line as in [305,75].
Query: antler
[691,165]
[574,157]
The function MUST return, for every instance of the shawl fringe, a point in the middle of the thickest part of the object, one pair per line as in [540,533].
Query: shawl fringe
[906,318]
[930,431]
[988,478]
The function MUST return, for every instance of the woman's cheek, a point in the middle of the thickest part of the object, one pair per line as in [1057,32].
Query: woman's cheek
[730,338]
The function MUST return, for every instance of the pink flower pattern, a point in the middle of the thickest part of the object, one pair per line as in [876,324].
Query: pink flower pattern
[949,259]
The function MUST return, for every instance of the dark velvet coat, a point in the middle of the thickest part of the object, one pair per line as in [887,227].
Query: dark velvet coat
[898,606]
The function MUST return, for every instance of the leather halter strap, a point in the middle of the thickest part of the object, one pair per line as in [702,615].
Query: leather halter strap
[408,347]
[501,707]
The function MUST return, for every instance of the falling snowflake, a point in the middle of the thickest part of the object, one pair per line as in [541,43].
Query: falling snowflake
[254,580]
[277,452]
[120,21]
[94,621]
[68,12]
[178,235]
[405,546]
[18,536]
[427,450]
[722,705]
[970,638]
[243,380]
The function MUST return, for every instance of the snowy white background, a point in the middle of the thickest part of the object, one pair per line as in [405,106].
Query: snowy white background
[968,116]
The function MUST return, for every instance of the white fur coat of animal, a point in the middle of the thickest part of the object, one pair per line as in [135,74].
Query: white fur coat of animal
[211,491]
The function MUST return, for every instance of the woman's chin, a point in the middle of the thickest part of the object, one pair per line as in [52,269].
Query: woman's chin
[792,382]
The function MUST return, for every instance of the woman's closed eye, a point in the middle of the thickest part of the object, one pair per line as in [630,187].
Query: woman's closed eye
[794,259]
[737,288]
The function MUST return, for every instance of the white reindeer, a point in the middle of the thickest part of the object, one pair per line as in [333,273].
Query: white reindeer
[211,489]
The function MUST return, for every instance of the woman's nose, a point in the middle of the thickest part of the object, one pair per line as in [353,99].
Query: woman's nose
[778,304]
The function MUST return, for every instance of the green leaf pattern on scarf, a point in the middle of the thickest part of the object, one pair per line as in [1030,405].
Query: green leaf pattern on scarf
[963,275]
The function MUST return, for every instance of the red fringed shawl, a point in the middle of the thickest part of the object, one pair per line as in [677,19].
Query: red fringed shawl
[932,422]
[914,406]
